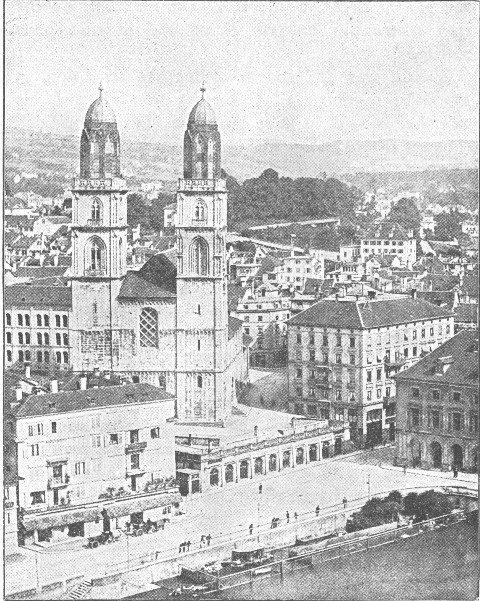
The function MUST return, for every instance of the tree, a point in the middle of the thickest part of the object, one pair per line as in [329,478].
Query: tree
[406,213]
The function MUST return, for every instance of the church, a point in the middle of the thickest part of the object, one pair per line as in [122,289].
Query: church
[166,324]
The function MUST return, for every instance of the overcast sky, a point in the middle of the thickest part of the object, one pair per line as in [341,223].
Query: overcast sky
[288,71]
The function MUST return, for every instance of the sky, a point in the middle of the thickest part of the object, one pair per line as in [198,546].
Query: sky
[298,72]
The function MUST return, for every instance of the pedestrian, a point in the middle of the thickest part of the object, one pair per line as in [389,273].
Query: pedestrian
[405,468]
[344,501]
[272,525]
[295,515]
[288,518]
[455,471]
[202,540]
[260,489]
[317,510]
[250,529]
[188,545]
[209,538]
[180,548]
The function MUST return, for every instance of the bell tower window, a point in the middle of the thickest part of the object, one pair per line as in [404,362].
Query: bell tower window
[199,257]
[149,327]
[95,256]
[200,213]
[96,211]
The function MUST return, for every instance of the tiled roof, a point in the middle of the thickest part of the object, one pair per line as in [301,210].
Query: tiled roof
[441,298]
[161,243]
[92,398]
[235,293]
[462,371]
[40,272]
[24,242]
[470,283]
[368,314]
[156,279]
[9,238]
[431,264]
[386,230]
[24,295]
[18,220]
[467,313]
[441,281]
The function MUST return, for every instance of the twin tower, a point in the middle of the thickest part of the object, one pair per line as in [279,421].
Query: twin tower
[160,325]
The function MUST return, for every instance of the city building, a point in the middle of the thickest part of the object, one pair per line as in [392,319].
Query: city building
[437,407]
[90,460]
[170,215]
[343,353]
[37,324]
[164,324]
[389,238]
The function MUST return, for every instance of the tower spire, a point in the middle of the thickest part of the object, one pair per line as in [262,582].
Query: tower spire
[203,89]
[100,88]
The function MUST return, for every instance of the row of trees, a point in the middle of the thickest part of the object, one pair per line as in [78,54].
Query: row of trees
[419,506]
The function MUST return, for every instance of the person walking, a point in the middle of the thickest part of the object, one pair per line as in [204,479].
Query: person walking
[260,489]
[288,518]
[209,538]
[344,501]
[250,529]
[202,541]
[272,525]
[180,547]
[405,468]
[455,471]
[295,515]
[188,545]
[317,510]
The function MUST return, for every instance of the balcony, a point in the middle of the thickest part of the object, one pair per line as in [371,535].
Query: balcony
[95,273]
[134,471]
[135,447]
[99,184]
[201,185]
[58,482]
[95,222]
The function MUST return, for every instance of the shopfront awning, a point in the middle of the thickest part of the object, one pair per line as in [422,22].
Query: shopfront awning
[135,505]
[42,521]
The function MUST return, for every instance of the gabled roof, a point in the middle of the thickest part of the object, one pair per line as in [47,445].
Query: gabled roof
[23,295]
[156,279]
[24,242]
[441,281]
[38,273]
[92,398]
[466,313]
[9,238]
[470,283]
[386,230]
[235,293]
[368,314]
[431,264]
[18,221]
[441,298]
[462,370]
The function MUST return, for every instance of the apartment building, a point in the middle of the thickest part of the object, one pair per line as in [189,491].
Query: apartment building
[389,238]
[297,268]
[343,353]
[91,460]
[37,322]
[264,311]
[437,407]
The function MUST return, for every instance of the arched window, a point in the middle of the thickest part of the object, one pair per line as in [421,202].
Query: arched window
[9,356]
[46,321]
[58,339]
[57,321]
[39,356]
[28,356]
[244,469]
[20,319]
[65,357]
[65,321]
[20,338]
[229,473]
[199,382]
[27,320]
[95,254]
[214,476]
[46,338]
[199,257]
[46,357]
[58,357]
[109,146]
[149,327]
[65,339]
[27,338]
[39,320]
[200,213]
[96,210]
[9,319]
[20,355]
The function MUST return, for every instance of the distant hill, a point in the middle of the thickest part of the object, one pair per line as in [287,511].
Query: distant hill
[55,157]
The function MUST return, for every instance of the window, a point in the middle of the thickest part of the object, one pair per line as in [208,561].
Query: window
[369,376]
[379,374]
[9,356]
[325,341]
[65,321]
[447,329]
[312,409]
[46,339]
[457,397]
[352,359]
[39,356]
[46,357]
[405,353]
[199,257]
[149,327]
[9,319]
[27,338]
[20,319]
[39,339]
[435,419]
[379,393]
[58,339]
[299,338]
[423,333]
[199,382]
[54,427]
[414,351]
[260,318]
[37,497]
[415,393]
[369,395]
[133,436]
[46,321]
[457,421]
[339,340]
[30,430]
[80,468]
[39,320]
[312,338]
[96,441]
[135,461]
[27,320]
[338,358]
[431,331]
[57,321]
[299,372]
[58,357]
[113,439]
[9,338]
[436,395]
[200,211]
[155,432]
[338,395]
[415,416]
[312,355]
[20,356]
[95,254]
[325,358]
[247,331]
[34,450]
[96,210]
[352,342]
[95,422]
[387,391]
[473,422]
[65,357]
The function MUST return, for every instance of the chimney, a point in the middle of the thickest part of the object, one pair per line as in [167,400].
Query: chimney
[413,293]
[55,260]
[28,371]
[41,259]
[371,294]
[51,404]
[19,393]
[107,375]
[83,381]
[54,385]
[292,249]
[255,431]
[336,297]
[96,372]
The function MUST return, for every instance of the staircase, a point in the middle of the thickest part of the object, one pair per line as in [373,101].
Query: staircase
[80,591]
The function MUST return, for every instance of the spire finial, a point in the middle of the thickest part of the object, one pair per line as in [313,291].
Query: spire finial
[203,89]
[100,87]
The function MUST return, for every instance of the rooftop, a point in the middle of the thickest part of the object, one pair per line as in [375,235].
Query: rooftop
[368,314]
[462,370]
[23,295]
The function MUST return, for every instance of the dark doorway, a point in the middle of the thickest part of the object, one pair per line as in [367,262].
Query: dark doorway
[313,452]
[76,529]
[457,456]
[133,483]
[195,484]
[391,431]
[214,477]
[338,446]
[244,469]
[436,453]
[374,433]
[325,450]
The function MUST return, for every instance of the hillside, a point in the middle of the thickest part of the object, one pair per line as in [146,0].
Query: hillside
[55,157]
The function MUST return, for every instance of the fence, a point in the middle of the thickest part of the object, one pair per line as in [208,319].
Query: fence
[356,544]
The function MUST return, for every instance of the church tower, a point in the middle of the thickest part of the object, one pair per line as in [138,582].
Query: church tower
[202,308]
[99,239]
